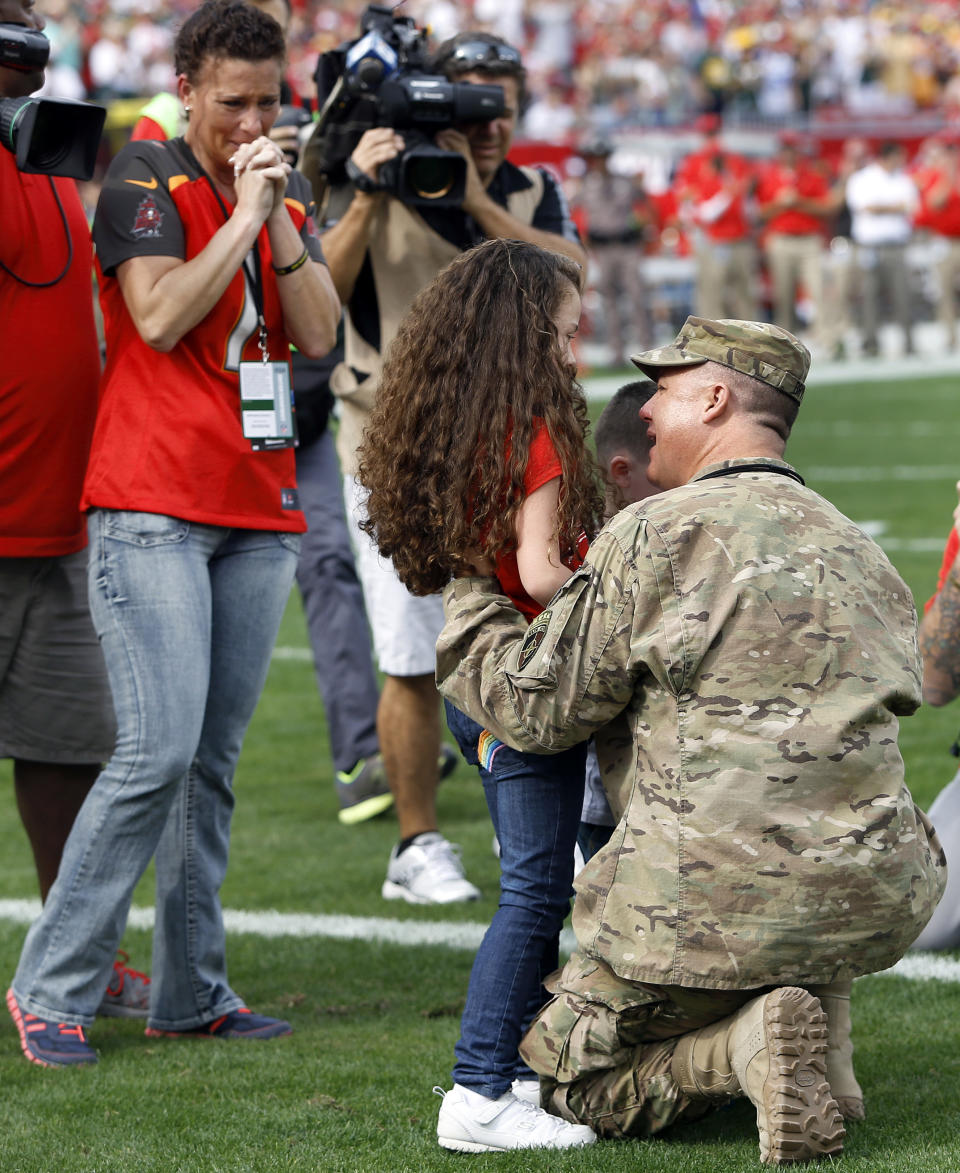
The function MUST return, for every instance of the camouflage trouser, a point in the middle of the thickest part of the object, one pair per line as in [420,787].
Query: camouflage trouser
[602,1047]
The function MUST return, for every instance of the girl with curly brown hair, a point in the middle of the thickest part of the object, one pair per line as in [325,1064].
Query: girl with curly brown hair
[476,450]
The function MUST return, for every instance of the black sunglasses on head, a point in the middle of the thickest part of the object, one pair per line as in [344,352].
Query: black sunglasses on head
[481,53]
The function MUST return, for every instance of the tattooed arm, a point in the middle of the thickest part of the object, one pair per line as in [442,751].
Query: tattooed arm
[940,637]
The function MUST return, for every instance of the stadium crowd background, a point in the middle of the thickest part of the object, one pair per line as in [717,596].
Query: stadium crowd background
[609,65]
[641,74]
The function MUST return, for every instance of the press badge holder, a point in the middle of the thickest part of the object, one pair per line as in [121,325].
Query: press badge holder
[266,405]
[266,393]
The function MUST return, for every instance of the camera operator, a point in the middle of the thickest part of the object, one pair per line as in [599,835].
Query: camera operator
[56,712]
[382,252]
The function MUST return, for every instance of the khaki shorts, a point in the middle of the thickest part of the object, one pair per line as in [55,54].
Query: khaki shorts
[405,627]
[55,702]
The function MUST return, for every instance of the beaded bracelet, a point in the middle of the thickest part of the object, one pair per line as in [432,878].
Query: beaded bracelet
[292,268]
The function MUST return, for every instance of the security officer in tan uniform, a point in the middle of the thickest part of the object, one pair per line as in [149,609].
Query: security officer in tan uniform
[742,654]
[617,215]
[381,253]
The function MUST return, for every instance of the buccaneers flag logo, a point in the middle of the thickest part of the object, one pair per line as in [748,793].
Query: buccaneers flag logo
[148,219]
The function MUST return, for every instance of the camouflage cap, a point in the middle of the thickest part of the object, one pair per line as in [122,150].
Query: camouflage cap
[759,349]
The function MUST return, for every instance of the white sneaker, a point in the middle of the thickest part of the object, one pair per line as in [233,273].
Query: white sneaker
[470,1123]
[428,872]
[527,1090]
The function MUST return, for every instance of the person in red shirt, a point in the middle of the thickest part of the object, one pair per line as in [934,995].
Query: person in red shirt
[717,192]
[794,198]
[56,711]
[209,261]
[940,214]
[476,450]
[337,624]
[56,716]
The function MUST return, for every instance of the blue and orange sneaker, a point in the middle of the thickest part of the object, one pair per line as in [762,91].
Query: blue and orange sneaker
[236,1024]
[50,1044]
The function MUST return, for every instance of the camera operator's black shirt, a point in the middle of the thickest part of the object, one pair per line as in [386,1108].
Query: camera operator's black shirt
[552,214]
[454,225]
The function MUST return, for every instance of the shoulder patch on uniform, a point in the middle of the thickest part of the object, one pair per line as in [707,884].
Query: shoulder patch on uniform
[533,639]
[148,219]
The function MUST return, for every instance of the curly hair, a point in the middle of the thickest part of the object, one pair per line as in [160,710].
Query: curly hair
[475,365]
[230,29]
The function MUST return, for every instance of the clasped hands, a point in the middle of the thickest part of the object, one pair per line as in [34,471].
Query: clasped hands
[259,161]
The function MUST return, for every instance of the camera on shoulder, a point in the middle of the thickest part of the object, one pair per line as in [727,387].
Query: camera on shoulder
[48,136]
[382,79]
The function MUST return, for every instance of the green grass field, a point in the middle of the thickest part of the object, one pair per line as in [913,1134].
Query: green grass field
[375,1023]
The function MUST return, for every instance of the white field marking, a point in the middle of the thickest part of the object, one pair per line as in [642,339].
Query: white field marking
[912,545]
[925,967]
[891,472]
[452,934]
[872,429]
[878,531]
[300,654]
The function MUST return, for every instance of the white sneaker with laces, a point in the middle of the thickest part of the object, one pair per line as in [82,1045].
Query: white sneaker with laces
[428,872]
[470,1123]
[527,1090]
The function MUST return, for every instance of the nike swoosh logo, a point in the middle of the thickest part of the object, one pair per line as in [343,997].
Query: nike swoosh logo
[149,184]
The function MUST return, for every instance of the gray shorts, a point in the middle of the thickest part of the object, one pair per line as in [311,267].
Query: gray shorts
[55,702]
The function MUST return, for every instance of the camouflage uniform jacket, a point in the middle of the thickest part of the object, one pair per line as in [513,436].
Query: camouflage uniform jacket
[742,652]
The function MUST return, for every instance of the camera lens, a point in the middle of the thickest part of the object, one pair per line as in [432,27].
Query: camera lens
[430,177]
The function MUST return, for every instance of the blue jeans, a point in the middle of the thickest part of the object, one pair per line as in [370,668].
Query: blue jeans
[333,605]
[187,615]
[535,802]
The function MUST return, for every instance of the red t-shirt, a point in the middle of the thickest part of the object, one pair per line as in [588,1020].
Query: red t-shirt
[700,164]
[543,466]
[809,184]
[945,219]
[732,222]
[147,129]
[168,437]
[50,368]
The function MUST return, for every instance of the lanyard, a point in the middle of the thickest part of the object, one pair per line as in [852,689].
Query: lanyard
[759,466]
[254,279]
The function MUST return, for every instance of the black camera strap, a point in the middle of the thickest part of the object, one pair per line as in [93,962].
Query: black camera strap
[66,268]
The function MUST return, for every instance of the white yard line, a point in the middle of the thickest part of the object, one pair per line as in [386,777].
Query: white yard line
[303,655]
[882,473]
[452,934]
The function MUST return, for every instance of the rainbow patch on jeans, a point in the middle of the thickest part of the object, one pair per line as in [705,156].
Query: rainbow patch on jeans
[487,748]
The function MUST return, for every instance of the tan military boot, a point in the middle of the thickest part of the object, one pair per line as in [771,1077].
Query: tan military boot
[835,1000]
[773,1051]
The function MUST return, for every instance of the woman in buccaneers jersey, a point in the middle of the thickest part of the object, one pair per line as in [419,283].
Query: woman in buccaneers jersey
[209,262]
